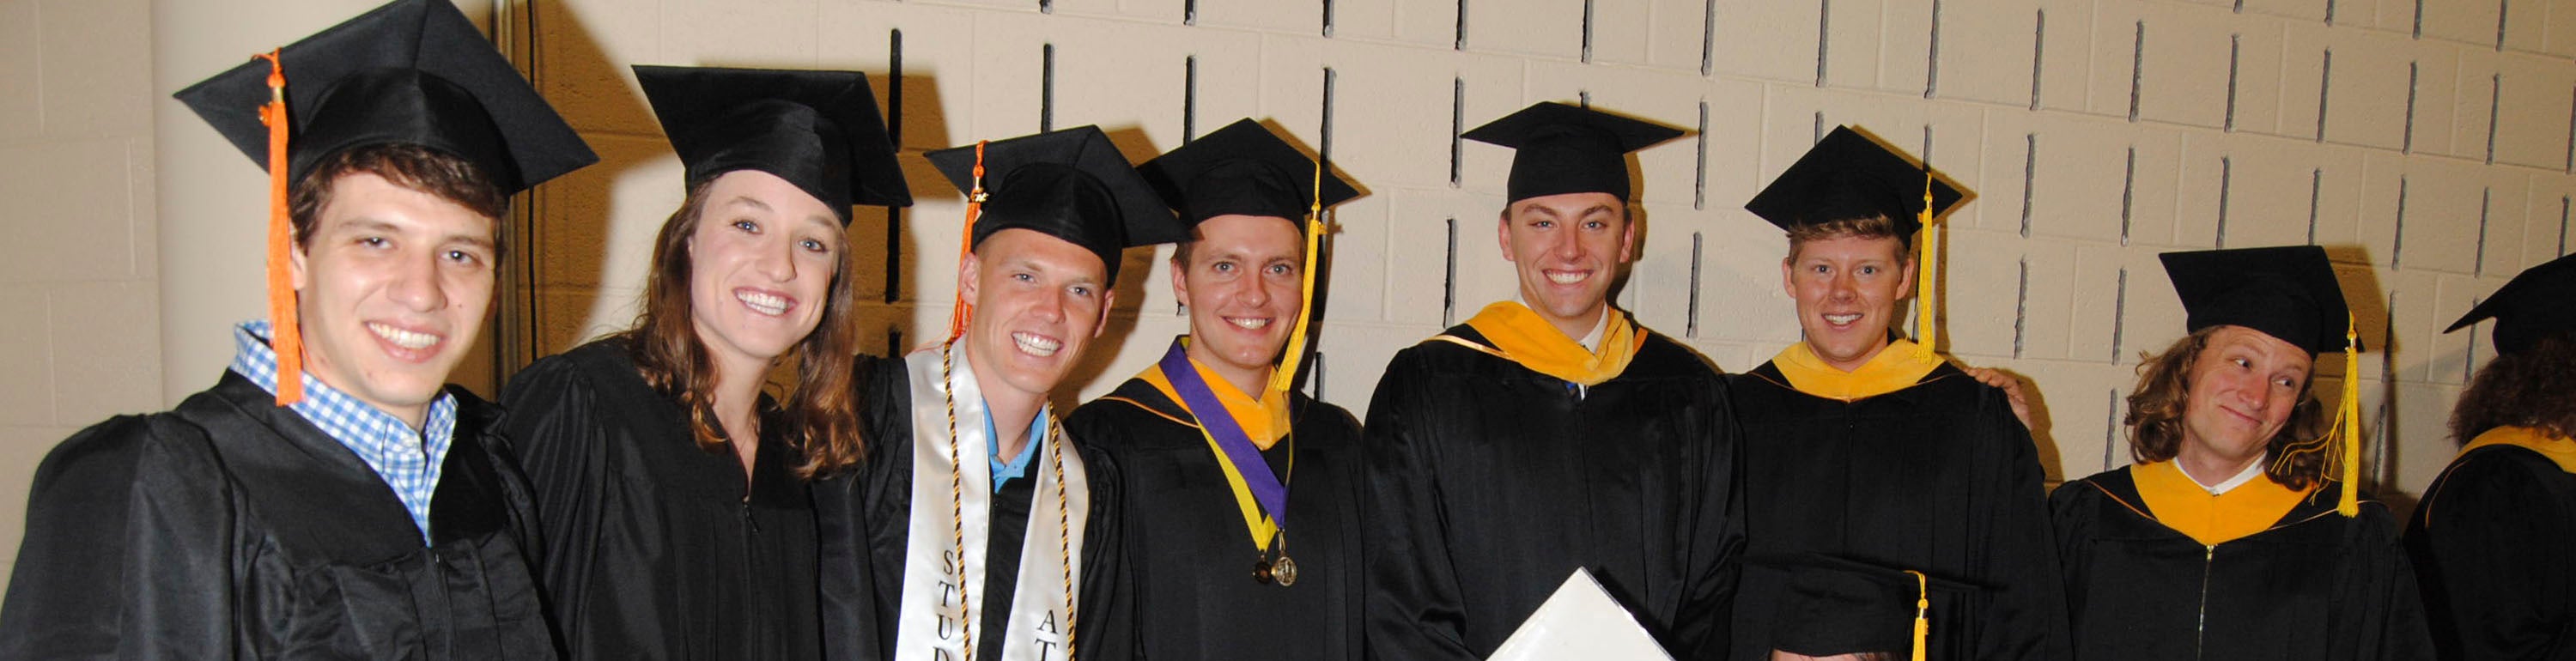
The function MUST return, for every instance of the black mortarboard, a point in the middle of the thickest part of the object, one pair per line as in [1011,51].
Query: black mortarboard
[2535,303]
[1070,184]
[1564,149]
[1835,606]
[1241,169]
[816,129]
[1848,176]
[2287,292]
[411,71]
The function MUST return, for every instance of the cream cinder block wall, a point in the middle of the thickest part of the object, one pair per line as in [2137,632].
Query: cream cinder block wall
[79,320]
[2425,144]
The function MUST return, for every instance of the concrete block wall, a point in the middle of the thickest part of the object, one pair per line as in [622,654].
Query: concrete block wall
[79,338]
[2427,148]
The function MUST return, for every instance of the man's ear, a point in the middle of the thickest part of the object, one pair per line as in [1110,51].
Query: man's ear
[1627,235]
[1108,300]
[1180,283]
[967,270]
[295,257]
[1503,233]
[1788,266]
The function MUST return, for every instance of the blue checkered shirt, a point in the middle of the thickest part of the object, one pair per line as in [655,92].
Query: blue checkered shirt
[406,458]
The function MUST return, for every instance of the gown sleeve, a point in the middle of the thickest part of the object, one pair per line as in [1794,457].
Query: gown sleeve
[554,423]
[1716,544]
[2490,563]
[1107,630]
[2071,511]
[2027,617]
[1412,604]
[128,550]
[2381,612]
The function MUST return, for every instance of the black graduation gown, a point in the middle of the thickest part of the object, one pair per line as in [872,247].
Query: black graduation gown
[1938,478]
[1489,483]
[233,528]
[1192,559]
[864,517]
[656,554]
[2316,585]
[2491,543]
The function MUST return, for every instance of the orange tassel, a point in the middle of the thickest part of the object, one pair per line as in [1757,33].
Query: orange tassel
[964,309]
[287,334]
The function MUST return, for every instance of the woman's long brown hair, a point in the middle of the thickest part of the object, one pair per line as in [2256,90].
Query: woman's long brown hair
[2157,407]
[820,407]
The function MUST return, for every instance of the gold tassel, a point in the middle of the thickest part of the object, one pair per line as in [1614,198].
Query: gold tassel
[964,309]
[2348,421]
[1285,376]
[1927,346]
[286,332]
[1922,611]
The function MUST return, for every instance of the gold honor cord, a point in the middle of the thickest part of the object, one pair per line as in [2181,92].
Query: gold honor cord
[964,309]
[1926,349]
[1285,376]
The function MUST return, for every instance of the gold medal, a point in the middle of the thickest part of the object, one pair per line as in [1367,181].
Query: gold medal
[1285,571]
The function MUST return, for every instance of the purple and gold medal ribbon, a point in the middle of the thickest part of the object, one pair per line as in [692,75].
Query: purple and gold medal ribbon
[1243,458]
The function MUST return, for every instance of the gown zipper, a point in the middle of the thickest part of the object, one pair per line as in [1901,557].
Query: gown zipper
[2200,625]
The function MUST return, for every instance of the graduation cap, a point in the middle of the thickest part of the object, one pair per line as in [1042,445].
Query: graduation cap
[1836,606]
[818,130]
[409,72]
[2289,293]
[1565,149]
[1244,169]
[2538,302]
[1848,176]
[1070,184]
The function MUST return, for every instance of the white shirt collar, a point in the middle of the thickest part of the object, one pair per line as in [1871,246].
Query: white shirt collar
[2252,470]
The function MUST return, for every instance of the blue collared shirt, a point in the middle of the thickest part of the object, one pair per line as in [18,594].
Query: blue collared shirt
[408,459]
[1018,466]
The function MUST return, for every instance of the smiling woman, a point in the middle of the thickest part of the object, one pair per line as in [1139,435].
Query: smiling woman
[671,486]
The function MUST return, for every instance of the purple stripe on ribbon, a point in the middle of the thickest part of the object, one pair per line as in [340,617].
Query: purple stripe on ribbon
[1229,436]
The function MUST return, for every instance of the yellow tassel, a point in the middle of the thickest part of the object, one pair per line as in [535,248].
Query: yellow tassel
[1925,347]
[286,332]
[1285,376]
[2348,421]
[964,309]
[1922,611]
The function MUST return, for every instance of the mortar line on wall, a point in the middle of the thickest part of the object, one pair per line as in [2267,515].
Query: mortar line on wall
[1587,32]
[1324,130]
[1932,56]
[1460,43]
[1046,88]
[1699,167]
[1315,386]
[1816,128]
[1824,23]
[2240,7]
[1690,326]
[2039,52]
[2029,172]
[2137,68]
[2397,240]
[2235,53]
[1583,98]
[2486,202]
[2569,165]
[1189,99]
[894,340]
[2502,6]
[2325,89]
[1046,6]
[2406,145]
[2021,306]
[2128,194]
[2495,96]
[2563,204]
[1449,276]
[2316,195]
[1189,12]
[2119,315]
[2110,428]
[2226,177]
[1328,22]
[2330,13]
[1457,124]
[1708,37]
[2469,366]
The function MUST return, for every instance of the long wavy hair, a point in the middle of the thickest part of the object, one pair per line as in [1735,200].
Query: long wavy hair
[2535,388]
[820,408]
[2157,407]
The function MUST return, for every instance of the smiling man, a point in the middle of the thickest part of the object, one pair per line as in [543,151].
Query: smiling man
[1864,447]
[330,497]
[975,524]
[1225,464]
[1551,433]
